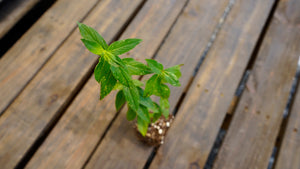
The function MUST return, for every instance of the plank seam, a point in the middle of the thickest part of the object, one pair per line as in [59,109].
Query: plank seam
[169,31]
[226,123]
[214,35]
[23,25]
[286,115]
[46,60]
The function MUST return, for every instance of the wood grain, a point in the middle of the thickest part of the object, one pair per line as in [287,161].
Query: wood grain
[252,134]
[11,12]
[52,88]
[185,44]
[76,135]
[200,117]
[289,153]
[21,63]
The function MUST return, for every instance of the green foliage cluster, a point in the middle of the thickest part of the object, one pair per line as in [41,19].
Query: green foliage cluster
[114,73]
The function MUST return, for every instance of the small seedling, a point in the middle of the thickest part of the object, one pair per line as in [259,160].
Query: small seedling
[114,73]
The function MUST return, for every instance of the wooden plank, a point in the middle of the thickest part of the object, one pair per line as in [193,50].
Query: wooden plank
[52,88]
[200,117]
[76,135]
[11,12]
[120,147]
[252,133]
[289,153]
[21,63]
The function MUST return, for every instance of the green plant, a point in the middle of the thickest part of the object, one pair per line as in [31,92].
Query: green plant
[114,73]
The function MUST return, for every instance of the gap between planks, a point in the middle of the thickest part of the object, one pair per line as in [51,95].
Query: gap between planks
[290,108]
[14,64]
[14,33]
[12,11]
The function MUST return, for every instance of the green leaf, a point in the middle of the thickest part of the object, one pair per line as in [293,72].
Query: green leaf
[142,126]
[155,87]
[101,70]
[136,68]
[158,108]
[90,34]
[163,91]
[156,115]
[130,115]
[118,86]
[120,100]
[171,78]
[155,66]
[122,75]
[107,85]
[123,46]
[132,97]
[151,115]
[151,85]
[175,70]
[137,83]
[93,46]
[143,113]
[114,60]
[165,105]
[146,101]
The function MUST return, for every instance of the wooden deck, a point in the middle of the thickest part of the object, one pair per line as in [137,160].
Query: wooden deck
[240,62]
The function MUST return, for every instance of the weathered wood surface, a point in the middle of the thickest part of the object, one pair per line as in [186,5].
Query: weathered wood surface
[185,44]
[76,135]
[200,117]
[256,122]
[289,153]
[52,88]
[12,12]
[21,63]
[46,68]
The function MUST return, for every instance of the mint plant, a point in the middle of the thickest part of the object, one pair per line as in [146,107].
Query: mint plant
[114,73]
